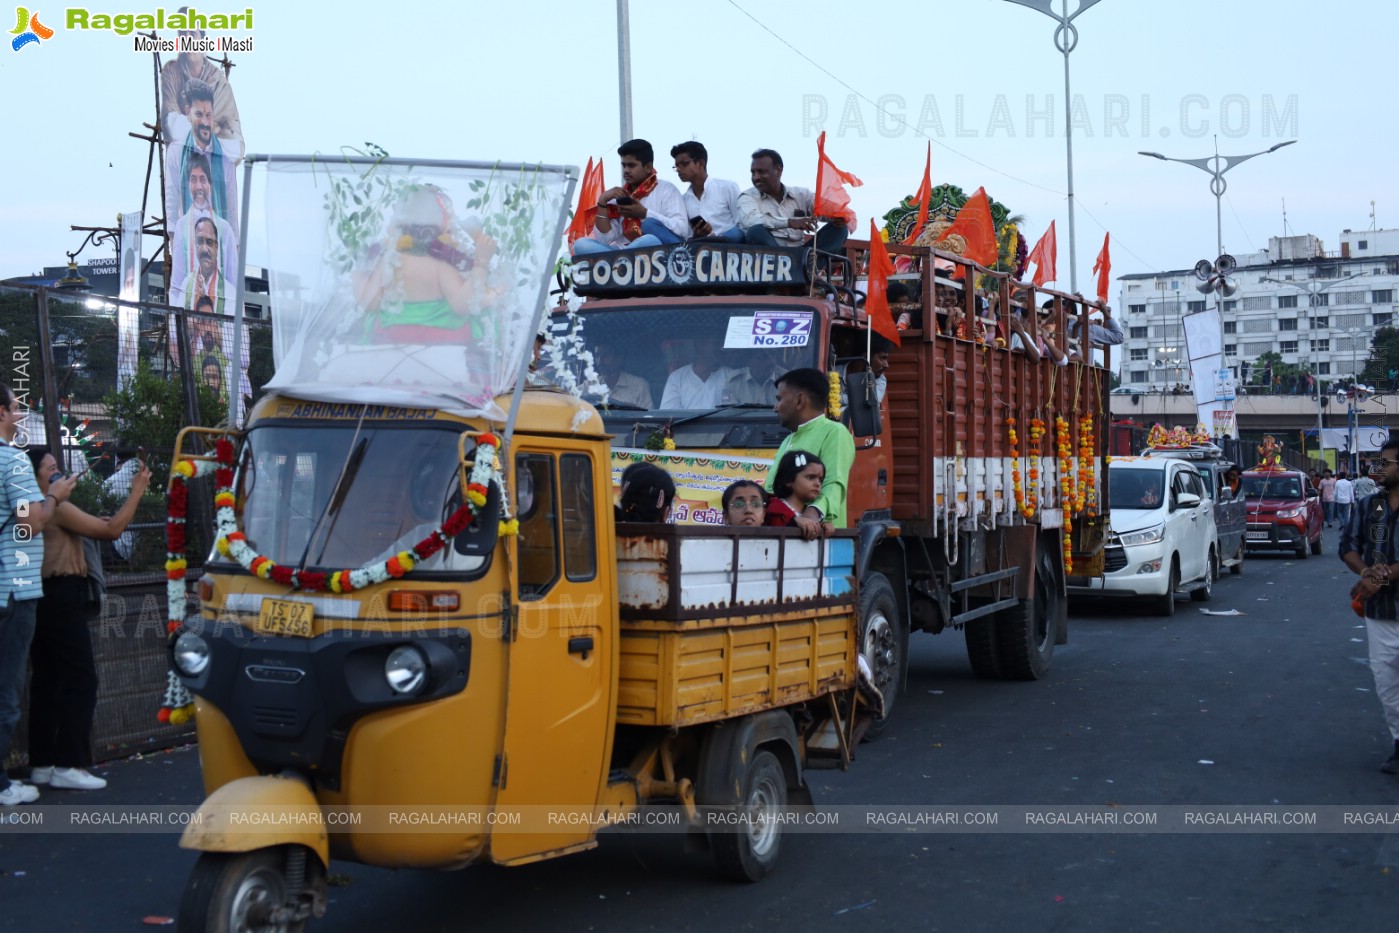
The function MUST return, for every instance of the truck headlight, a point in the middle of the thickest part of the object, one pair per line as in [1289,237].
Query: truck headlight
[191,654]
[405,669]
[1145,536]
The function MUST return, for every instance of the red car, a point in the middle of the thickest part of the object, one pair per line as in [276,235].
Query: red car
[1284,512]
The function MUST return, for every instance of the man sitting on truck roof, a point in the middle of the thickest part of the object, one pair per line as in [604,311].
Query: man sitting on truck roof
[801,407]
[643,212]
[774,214]
[710,203]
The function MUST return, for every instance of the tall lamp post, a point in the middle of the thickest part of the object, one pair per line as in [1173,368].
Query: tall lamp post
[1215,166]
[1065,40]
[1313,289]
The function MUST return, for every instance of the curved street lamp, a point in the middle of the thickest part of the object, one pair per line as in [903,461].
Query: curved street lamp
[1065,40]
[1215,166]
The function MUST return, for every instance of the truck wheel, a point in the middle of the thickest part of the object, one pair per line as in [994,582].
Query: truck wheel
[1025,634]
[749,851]
[883,643]
[237,892]
[1166,605]
[983,650]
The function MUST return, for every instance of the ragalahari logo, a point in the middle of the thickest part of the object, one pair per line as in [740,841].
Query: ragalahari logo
[28,29]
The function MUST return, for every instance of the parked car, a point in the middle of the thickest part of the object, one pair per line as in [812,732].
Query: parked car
[1284,512]
[1162,537]
[1131,390]
[1229,509]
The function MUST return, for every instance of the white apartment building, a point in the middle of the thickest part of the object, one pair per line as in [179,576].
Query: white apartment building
[1316,308]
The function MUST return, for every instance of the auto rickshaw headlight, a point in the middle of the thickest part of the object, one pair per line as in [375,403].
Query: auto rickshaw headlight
[191,654]
[406,669]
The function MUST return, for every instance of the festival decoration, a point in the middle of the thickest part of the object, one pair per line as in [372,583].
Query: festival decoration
[1269,454]
[177,705]
[1067,495]
[833,396]
[1102,267]
[902,221]
[1087,481]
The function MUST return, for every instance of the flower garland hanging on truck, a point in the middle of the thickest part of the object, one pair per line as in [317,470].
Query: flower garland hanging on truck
[1067,497]
[177,705]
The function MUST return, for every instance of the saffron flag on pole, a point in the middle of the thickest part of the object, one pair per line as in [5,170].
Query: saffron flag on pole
[1045,256]
[974,225]
[589,190]
[924,197]
[877,312]
[832,200]
[1103,267]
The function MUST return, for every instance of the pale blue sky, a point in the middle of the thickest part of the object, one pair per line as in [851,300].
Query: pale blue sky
[537,81]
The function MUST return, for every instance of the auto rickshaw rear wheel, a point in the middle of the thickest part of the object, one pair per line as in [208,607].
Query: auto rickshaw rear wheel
[748,851]
[241,892]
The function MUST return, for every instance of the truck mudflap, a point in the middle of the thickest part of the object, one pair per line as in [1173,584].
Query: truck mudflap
[259,813]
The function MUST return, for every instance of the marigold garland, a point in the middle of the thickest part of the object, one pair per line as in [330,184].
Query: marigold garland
[1033,489]
[1015,471]
[1064,448]
[833,396]
[177,706]
[1087,481]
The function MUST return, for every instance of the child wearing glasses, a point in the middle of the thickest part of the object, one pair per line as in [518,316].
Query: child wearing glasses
[744,503]
[796,485]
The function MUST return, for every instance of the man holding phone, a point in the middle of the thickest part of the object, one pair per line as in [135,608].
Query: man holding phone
[644,212]
[712,203]
[774,214]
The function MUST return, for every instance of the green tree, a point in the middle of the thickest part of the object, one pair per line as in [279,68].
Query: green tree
[1384,359]
[150,412]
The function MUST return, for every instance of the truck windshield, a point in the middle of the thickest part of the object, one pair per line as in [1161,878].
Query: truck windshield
[331,497]
[1137,489]
[694,357]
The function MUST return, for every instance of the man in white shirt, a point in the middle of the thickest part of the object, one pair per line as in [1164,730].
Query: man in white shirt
[701,384]
[774,214]
[644,212]
[1345,496]
[624,388]
[711,203]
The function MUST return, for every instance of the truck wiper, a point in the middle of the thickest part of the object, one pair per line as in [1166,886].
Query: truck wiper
[714,411]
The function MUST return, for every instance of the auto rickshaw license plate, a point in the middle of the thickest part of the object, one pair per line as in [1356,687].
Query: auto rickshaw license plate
[285,617]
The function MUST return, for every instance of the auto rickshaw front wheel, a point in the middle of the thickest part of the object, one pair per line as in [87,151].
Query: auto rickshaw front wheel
[264,891]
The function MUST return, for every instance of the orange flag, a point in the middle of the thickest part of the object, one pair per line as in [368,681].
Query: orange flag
[589,190]
[832,200]
[924,197]
[1045,256]
[877,297]
[1103,266]
[974,224]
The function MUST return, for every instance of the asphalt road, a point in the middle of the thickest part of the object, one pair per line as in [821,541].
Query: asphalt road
[1272,708]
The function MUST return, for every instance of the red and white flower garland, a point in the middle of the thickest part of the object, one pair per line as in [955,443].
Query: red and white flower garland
[178,706]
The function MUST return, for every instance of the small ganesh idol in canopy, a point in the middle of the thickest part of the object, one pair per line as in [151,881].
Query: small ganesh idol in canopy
[432,278]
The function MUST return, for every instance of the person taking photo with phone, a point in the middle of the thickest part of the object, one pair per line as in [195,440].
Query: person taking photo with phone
[24,514]
[63,690]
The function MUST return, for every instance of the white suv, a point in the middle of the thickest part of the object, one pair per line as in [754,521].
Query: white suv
[1162,534]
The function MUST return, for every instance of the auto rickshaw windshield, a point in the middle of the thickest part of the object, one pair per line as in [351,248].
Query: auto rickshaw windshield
[342,495]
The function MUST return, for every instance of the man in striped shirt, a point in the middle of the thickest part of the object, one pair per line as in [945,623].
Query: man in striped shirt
[24,511]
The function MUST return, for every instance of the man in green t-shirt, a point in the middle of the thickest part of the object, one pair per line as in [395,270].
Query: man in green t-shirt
[801,407]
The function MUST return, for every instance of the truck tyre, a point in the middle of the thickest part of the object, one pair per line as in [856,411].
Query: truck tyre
[1166,605]
[749,851]
[883,643]
[983,650]
[1025,634]
[231,892]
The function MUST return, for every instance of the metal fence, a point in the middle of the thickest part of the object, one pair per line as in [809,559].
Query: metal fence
[106,383]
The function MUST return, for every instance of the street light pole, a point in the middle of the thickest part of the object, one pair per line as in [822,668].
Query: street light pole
[1065,40]
[1215,166]
[624,68]
[1312,291]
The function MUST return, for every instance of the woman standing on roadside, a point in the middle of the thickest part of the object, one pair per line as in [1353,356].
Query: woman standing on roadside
[63,692]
